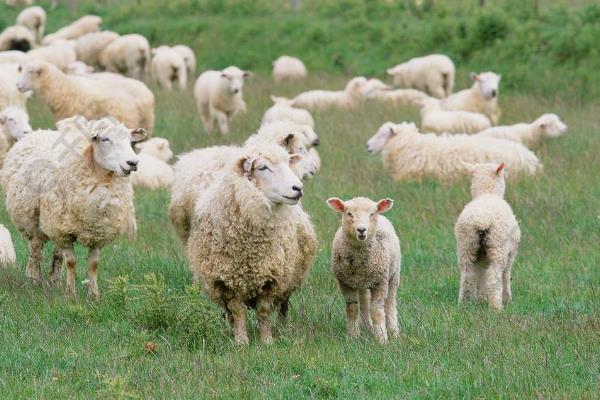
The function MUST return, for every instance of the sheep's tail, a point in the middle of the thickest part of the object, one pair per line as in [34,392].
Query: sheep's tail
[481,250]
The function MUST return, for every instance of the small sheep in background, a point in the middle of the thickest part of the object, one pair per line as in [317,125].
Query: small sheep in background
[34,19]
[14,124]
[482,97]
[128,55]
[436,119]
[85,24]
[319,100]
[433,74]
[7,250]
[366,263]
[283,111]
[189,57]
[16,37]
[530,135]
[487,238]
[288,68]
[398,97]
[168,68]
[153,170]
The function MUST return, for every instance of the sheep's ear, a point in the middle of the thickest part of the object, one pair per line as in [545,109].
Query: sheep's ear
[392,131]
[384,205]
[287,141]
[246,165]
[469,167]
[474,76]
[137,135]
[247,74]
[500,167]
[336,204]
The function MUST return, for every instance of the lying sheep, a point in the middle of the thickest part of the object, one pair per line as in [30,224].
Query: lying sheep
[218,97]
[530,135]
[13,57]
[89,46]
[128,55]
[14,124]
[153,172]
[436,119]
[373,85]
[85,24]
[433,74]
[168,68]
[283,111]
[189,57]
[9,94]
[7,250]
[318,100]
[487,238]
[60,53]
[16,37]
[130,101]
[410,155]
[288,68]
[82,194]
[482,97]
[366,263]
[34,19]
[398,97]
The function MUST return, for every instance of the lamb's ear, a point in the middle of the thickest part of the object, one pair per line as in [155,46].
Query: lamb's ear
[474,76]
[336,204]
[246,165]
[137,135]
[468,166]
[500,167]
[247,74]
[287,141]
[384,205]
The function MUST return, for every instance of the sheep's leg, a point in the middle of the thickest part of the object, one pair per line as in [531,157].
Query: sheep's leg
[506,289]
[493,285]
[351,297]
[71,259]
[391,311]
[468,285]
[263,312]
[207,119]
[93,259]
[378,296]
[36,248]
[223,121]
[57,263]
[238,313]
[364,305]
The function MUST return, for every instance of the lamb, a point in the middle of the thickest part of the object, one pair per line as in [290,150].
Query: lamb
[13,57]
[436,119]
[60,53]
[71,185]
[529,135]
[89,46]
[270,242]
[318,100]
[487,238]
[153,171]
[398,97]
[169,68]
[283,111]
[91,96]
[366,263]
[128,55]
[188,56]
[14,124]
[85,24]
[433,74]
[288,68]
[482,97]
[9,94]
[218,97]
[7,250]
[34,19]
[16,37]
[411,156]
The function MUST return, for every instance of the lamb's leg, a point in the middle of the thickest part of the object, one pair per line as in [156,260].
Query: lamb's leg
[506,289]
[57,263]
[36,249]
[264,307]
[238,312]
[493,285]
[378,296]
[207,118]
[351,297]
[71,259]
[93,259]
[364,305]
[391,311]
[223,121]
[468,284]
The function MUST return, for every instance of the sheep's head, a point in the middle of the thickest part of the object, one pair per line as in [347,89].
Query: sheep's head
[386,132]
[157,147]
[551,125]
[486,178]
[311,138]
[233,78]
[15,122]
[32,75]
[355,86]
[360,215]
[488,84]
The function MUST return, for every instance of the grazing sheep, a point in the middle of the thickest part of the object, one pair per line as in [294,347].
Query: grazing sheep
[288,68]
[16,37]
[71,185]
[319,100]
[530,135]
[89,46]
[13,57]
[189,57]
[436,119]
[14,124]
[79,68]
[127,55]
[60,53]
[487,238]
[219,97]
[168,69]
[85,24]
[7,250]
[283,111]
[92,96]
[398,97]
[366,263]
[433,74]
[9,94]
[34,19]
[410,155]
[153,171]
[482,97]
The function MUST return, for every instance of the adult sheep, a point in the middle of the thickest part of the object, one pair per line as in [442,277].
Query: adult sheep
[16,37]
[288,68]
[127,55]
[34,19]
[481,97]
[60,53]
[530,135]
[85,24]
[433,74]
[189,57]
[319,100]
[168,69]
[435,119]
[283,111]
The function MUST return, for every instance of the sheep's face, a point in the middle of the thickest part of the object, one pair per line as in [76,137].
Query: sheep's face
[305,167]
[274,179]
[388,130]
[15,122]
[157,147]
[486,178]
[360,215]
[488,84]
[551,125]
[31,75]
[233,78]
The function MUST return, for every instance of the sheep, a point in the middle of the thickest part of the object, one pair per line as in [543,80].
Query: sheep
[529,135]
[16,37]
[398,97]
[283,111]
[14,124]
[128,100]
[189,57]
[373,85]
[487,238]
[318,100]
[436,119]
[128,55]
[34,19]
[89,46]
[481,97]
[168,68]
[60,53]
[79,68]
[152,170]
[288,68]
[72,185]
[13,57]
[218,97]
[433,74]
[251,244]
[7,250]
[409,155]
[85,24]
[9,94]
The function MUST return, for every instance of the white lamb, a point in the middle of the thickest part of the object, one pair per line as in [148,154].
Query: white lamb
[412,156]
[482,97]
[433,74]
[530,135]
[7,250]
[219,97]
[189,57]
[168,69]
[34,19]
[436,119]
[9,94]
[288,68]
[281,110]
[153,170]
[487,238]
[128,55]
[85,24]
[319,100]
[60,53]
[14,124]
[89,46]
[16,37]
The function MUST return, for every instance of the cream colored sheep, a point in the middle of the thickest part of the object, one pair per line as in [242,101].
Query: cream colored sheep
[16,37]
[60,53]
[153,171]
[34,19]
[398,97]
[189,57]
[319,100]
[283,111]
[14,124]
[89,46]
[530,135]
[433,74]
[487,238]
[128,55]
[13,57]
[288,68]
[7,250]
[9,94]
[85,24]
[169,69]
[482,97]
[436,119]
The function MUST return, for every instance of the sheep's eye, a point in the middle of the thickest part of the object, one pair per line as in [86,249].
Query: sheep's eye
[105,140]
[372,214]
[263,168]
[350,214]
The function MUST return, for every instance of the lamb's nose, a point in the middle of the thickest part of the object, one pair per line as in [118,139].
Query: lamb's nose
[297,188]
[133,164]
[361,230]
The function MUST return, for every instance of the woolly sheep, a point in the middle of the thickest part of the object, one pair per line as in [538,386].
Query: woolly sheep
[189,57]
[366,263]
[85,24]
[89,46]
[288,68]
[128,55]
[16,37]
[283,111]
[410,155]
[14,124]
[13,57]
[433,74]
[487,238]
[128,100]
[398,97]
[436,119]
[218,97]
[481,97]
[153,171]
[318,100]
[34,19]
[7,250]
[530,135]
[60,53]
[168,68]
[71,185]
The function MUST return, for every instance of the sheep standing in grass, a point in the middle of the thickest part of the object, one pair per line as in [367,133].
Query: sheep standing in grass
[168,69]
[85,24]
[530,135]
[16,38]
[283,111]
[288,68]
[14,124]
[128,55]
[218,97]
[366,263]
[34,19]
[89,46]
[153,170]
[412,156]
[319,100]
[487,238]
[7,250]
[433,74]
[436,119]
[189,57]
[482,97]
[72,185]
[9,94]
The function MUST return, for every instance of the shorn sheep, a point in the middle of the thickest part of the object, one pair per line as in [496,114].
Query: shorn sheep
[283,111]
[153,170]
[169,69]
[7,250]
[366,263]
[481,97]
[487,238]
[72,186]
[318,100]
[14,124]
[34,19]
[127,55]
[16,37]
[530,135]
[436,119]
[433,74]
[412,156]
[85,24]
[218,97]
[288,68]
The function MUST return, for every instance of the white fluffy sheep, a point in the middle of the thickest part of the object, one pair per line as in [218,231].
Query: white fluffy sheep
[366,263]
[153,171]
[13,56]
[85,24]
[7,250]
[219,97]
[318,100]
[16,37]
[9,94]
[530,135]
[436,119]
[14,124]
[281,110]
[34,19]
[433,74]
[398,97]
[288,68]
[60,53]
[71,185]
[487,238]
[410,155]
[128,55]
[89,46]
[481,97]
[169,69]
[189,57]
